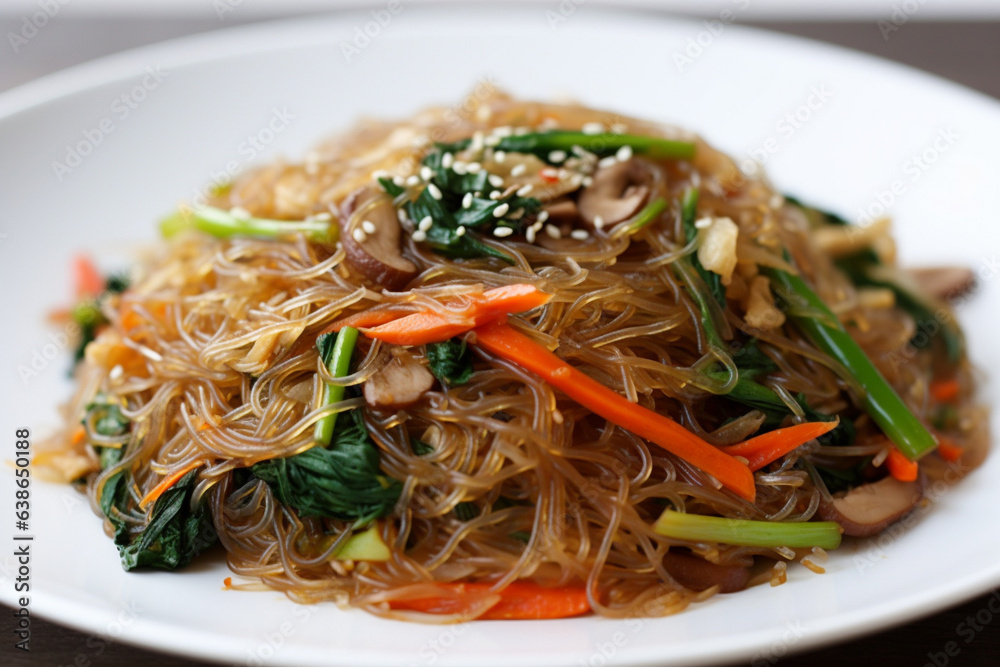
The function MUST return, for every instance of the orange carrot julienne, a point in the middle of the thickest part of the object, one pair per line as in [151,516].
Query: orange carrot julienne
[366,319]
[168,482]
[948,450]
[505,342]
[521,600]
[79,435]
[89,281]
[944,391]
[768,447]
[901,467]
[431,327]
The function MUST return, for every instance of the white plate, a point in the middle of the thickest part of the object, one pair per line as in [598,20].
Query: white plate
[214,91]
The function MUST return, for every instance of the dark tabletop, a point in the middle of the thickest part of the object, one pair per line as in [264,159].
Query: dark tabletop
[965,52]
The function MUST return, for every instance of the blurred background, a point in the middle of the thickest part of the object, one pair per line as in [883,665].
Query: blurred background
[956,39]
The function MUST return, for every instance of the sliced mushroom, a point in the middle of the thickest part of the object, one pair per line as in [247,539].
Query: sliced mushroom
[944,282]
[617,193]
[373,249]
[400,384]
[562,210]
[697,574]
[867,509]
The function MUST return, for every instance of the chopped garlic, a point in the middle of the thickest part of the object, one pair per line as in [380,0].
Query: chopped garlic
[717,249]
[761,312]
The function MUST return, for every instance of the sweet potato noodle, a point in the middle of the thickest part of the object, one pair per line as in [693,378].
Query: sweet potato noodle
[208,363]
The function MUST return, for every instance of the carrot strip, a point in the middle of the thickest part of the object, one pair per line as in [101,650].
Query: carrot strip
[167,482]
[429,327]
[514,346]
[945,391]
[520,600]
[89,281]
[948,450]
[901,467]
[365,319]
[79,435]
[768,447]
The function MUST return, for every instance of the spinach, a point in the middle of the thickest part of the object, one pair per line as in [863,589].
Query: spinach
[450,361]
[343,481]
[601,144]
[420,448]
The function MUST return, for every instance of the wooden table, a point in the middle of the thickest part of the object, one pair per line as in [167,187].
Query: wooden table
[965,52]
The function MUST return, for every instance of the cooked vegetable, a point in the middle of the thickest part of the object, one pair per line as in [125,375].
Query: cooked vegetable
[617,193]
[168,482]
[450,361]
[698,574]
[543,144]
[401,383]
[901,467]
[520,600]
[867,509]
[771,446]
[502,340]
[371,239]
[335,351]
[744,532]
[227,224]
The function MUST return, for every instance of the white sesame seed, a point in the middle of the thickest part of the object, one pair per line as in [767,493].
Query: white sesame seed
[703,223]
[501,232]
[501,210]
[580,234]
[543,216]
[435,192]
[116,372]
[537,226]
[598,222]
[324,216]
[516,214]
[495,180]
[380,174]
[426,173]
[401,214]
[473,167]
[525,190]
[413,180]
[624,153]
[368,226]
[477,141]
[425,224]
[492,140]
[495,195]
[398,181]
[518,170]
[557,156]
[446,160]
[467,200]
[459,168]
[499,156]
[460,231]
[586,181]
[529,234]
[609,161]
[553,231]
[503,131]
[592,128]
[419,236]
[240,213]
[359,235]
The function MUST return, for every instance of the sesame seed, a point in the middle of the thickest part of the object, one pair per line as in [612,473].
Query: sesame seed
[495,180]
[503,131]
[580,234]
[529,235]
[543,216]
[703,223]
[460,231]
[624,153]
[525,190]
[501,210]
[359,235]
[553,231]
[557,156]
[477,141]
[435,192]
[446,160]
[240,213]
[516,215]
[426,173]
[425,224]
[401,214]
[473,167]
[500,156]
[419,236]
[467,200]
[609,161]
[492,140]
[501,232]
[116,372]
[380,174]
[518,170]
[598,222]
[459,168]
[586,181]
[413,180]
[324,216]
[592,128]
[495,195]
[368,226]
[398,181]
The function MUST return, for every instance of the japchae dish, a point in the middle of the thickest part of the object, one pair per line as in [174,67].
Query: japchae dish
[513,360]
